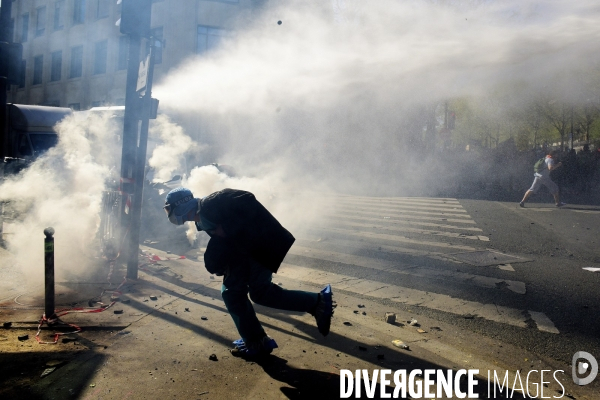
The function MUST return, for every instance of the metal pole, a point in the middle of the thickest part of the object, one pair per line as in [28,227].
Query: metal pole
[49,272]
[5,36]
[136,206]
[130,136]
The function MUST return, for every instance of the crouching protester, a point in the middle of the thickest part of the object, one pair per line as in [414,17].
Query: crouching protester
[247,245]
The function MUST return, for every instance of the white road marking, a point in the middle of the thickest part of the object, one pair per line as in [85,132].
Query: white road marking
[385,222]
[407,296]
[401,215]
[398,238]
[431,200]
[391,217]
[412,230]
[543,322]
[404,210]
[412,270]
[409,203]
[506,267]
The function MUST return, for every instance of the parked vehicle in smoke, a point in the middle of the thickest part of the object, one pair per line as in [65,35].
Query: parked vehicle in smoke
[30,132]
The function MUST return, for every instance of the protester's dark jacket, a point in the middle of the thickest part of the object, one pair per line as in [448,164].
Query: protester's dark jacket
[249,227]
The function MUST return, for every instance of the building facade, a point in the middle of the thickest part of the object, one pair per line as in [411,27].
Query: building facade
[75,56]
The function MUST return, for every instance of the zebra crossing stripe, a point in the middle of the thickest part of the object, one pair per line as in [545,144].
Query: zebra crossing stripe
[397,238]
[405,204]
[412,230]
[401,216]
[406,269]
[543,323]
[385,222]
[398,294]
[402,210]
[399,200]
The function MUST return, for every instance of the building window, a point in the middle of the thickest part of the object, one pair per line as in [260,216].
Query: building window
[74,106]
[76,62]
[100,53]
[40,24]
[38,67]
[23,73]
[157,33]
[59,10]
[24,27]
[102,8]
[209,38]
[55,71]
[123,53]
[78,12]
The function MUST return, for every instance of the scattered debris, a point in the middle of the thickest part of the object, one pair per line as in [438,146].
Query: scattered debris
[201,393]
[187,309]
[364,313]
[115,298]
[211,277]
[203,318]
[279,284]
[54,363]
[118,311]
[390,318]
[126,301]
[421,330]
[413,322]
[355,311]
[92,385]
[468,316]
[401,344]
[362,348]
[153,298]
[361,306]
[435,328]
[23,337]
[47,371]
[7,325]
[213,357]
[348,323]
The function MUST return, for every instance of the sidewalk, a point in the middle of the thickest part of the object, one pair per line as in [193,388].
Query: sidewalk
[173,322]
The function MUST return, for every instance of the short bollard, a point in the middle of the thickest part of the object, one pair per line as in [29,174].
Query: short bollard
[49,272]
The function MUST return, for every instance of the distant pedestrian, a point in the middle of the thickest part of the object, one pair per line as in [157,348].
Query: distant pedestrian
[247,246]
[542,177]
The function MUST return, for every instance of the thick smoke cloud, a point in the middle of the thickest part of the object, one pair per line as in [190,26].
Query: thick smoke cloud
[63,190]
[333,99]
[334,95]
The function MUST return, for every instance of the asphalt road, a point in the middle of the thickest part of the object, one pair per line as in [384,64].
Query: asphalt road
[410,253]
[492,285]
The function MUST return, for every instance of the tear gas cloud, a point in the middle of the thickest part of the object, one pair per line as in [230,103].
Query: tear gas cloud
[328,100]
[61,189]
[332,96]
